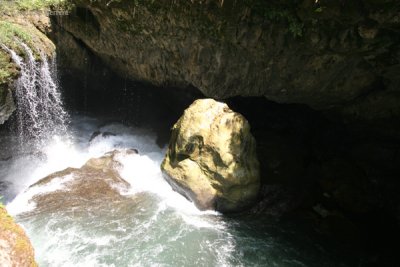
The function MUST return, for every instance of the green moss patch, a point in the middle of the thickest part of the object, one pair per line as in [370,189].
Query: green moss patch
[9,31]
[7,72]
[278,13]
[32,5]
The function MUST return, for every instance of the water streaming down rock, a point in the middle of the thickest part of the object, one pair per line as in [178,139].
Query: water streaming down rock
[40,112]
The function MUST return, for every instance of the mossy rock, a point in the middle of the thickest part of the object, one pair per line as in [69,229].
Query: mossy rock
[14,31]
[97,181]
[15,247]
[8,70]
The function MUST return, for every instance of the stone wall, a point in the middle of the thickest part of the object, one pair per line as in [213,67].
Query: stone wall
[331,55]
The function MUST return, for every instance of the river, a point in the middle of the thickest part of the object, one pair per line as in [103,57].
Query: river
[158,227]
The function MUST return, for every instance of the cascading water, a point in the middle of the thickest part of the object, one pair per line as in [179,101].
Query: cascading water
[40,112]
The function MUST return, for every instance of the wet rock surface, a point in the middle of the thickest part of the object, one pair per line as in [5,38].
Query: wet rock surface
[97,181]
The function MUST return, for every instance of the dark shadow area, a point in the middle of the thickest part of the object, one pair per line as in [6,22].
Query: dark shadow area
[130,103]
[89,87]
[328,176]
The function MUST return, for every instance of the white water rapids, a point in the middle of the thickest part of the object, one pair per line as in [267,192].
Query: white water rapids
[161,228]
[62,241]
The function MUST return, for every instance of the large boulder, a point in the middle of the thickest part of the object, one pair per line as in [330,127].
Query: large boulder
[15,247]
[212,158]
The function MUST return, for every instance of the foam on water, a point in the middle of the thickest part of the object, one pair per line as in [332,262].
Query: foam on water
[141,171]
[58,245]
[154,227]
[23,203]
[144,174]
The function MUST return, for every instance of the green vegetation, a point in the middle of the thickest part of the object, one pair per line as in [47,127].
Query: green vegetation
[39,4]
[14,29]
[277,13]
[274,14]
[6,72]
[8,6]
[4,76]
[9,32]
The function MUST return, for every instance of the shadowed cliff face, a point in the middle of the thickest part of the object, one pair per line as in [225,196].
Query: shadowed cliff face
[329,55]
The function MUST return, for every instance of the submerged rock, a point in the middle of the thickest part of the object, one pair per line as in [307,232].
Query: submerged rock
[97,181]
[212,158]
[15,247]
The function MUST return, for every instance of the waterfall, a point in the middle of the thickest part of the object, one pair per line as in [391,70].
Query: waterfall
[40,112]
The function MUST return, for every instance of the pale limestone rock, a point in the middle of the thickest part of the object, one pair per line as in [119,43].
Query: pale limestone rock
[212,158]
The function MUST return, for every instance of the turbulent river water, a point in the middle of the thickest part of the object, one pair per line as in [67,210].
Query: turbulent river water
[160,228]
[150,224]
